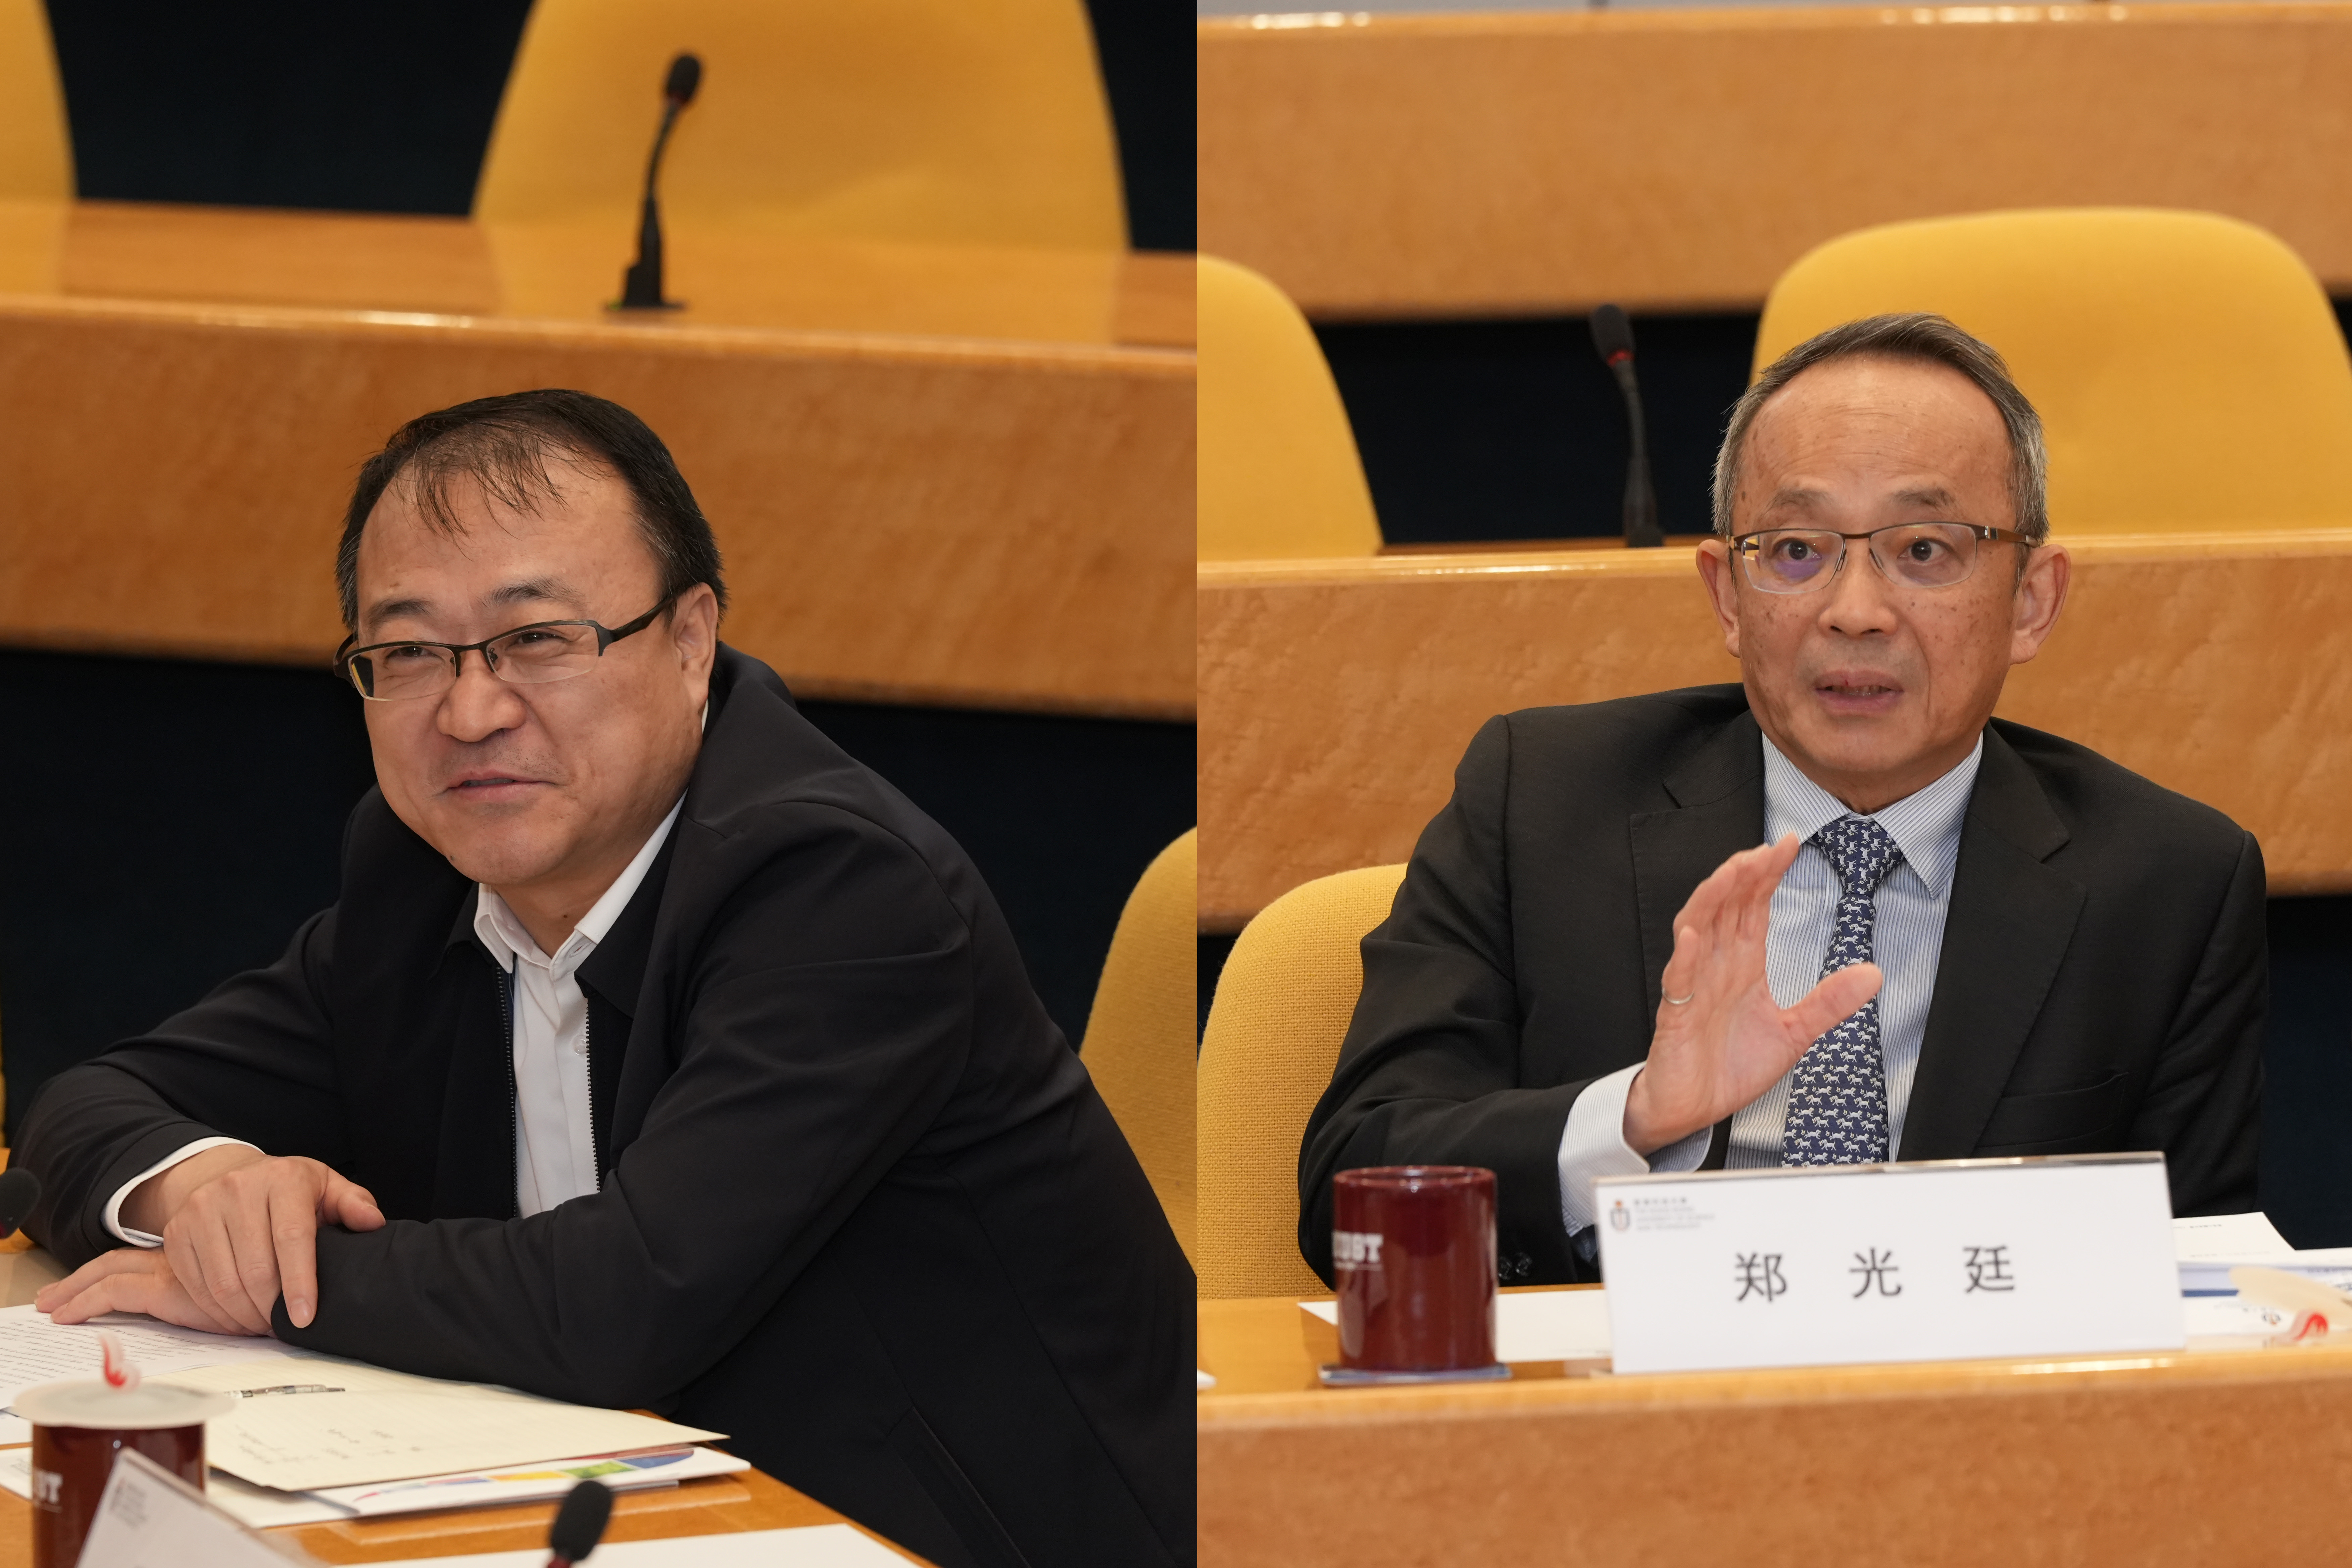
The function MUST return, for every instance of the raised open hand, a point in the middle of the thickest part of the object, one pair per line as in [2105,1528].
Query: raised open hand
[1725,1042]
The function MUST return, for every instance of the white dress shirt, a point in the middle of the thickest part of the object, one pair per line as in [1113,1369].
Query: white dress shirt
[555,1146]
[555,1141]
[1906,944]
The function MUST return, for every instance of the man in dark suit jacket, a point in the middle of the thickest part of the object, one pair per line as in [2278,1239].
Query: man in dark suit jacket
[1970,938]
[778,1141]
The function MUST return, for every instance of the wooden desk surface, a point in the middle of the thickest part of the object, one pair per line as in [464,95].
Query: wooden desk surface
[1527,162]
[948,476]
[2203,1458]
[720,1505]
[716,1506]
[728,276]
[1337,696]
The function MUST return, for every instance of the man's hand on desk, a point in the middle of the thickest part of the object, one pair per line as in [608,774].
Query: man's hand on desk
[1728,1042]
[239,1226]
[130,1279]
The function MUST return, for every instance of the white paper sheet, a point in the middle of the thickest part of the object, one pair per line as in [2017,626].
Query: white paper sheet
[1536,1325]
[33,1349]
[382,1425]
[265,1507]
[810,1546]
[305,1442]
[2240,1237]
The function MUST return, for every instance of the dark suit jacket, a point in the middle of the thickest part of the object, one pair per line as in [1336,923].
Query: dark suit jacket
[861,1206]
[2102,983]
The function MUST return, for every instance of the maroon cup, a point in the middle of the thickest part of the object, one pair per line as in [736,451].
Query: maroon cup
[1412,1252]
[77,1430]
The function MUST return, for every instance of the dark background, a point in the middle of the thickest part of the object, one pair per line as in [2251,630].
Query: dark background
[164,824]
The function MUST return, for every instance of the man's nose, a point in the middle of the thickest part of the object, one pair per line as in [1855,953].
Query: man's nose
[479,705]
[1860,600]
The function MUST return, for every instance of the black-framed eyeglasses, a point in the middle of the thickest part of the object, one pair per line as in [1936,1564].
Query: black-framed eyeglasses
[527,656]
[1915,555]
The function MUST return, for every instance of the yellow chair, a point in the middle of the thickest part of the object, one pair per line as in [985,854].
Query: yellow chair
[935,121]
[2188,367]
[1282,1008]
[35,153]
[1279,476]
[1140,1045]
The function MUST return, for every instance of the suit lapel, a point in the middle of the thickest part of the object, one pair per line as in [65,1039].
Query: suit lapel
[2011,920]
[1719,792]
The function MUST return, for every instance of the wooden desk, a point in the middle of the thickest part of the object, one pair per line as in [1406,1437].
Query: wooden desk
[2144,1459]
[960,477]
[1337,696]
[1529,161]
[720,1505]
[716,1506]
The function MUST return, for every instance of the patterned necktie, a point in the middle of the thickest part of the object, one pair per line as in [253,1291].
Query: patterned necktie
[1837,1098]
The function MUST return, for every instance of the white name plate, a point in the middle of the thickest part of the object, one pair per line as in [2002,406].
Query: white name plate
[1935,1261]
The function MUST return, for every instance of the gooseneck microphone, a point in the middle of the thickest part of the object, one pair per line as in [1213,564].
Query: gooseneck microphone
[19,1191]
[641,285]
[580,1521]
[1612,337]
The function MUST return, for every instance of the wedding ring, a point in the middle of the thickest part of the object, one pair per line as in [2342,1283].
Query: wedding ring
[1677,1001]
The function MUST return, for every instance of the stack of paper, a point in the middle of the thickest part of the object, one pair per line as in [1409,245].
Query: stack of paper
[321,1437]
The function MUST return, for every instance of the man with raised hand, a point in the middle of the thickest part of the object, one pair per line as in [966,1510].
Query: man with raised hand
[1837,913]
[656,1053]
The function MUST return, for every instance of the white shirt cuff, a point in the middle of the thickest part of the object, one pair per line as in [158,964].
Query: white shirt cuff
[1593,1145]
[187,1150]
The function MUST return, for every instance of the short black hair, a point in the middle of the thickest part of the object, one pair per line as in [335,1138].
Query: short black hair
[503,444]
[1921,338]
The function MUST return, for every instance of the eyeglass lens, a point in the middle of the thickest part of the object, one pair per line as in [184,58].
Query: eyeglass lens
[528,656]
[1921,555]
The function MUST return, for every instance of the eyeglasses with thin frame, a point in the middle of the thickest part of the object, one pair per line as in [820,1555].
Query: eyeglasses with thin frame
[1913,555]
[526,656]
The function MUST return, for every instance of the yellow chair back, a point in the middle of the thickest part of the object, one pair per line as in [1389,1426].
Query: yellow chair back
[1279,476]
[1140,1042]
[35,153]
[935,121]
[2189,370]
[1282,1008]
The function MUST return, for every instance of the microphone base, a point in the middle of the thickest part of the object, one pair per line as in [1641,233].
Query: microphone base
[627,306]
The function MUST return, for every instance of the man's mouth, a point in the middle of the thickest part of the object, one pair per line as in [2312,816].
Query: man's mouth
[482,782]
[1858,693]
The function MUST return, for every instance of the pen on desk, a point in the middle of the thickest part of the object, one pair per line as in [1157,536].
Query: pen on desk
[283,1388]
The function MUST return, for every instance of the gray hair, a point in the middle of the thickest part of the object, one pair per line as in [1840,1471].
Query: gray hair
[1925,338]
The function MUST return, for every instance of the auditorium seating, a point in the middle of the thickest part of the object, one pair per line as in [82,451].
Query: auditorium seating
[1139,1043]
[904,120]
[2189,369]
[35,157]
[1279,474]
[1282,1008]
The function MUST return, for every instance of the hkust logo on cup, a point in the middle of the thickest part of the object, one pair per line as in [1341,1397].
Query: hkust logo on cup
[1356,1248]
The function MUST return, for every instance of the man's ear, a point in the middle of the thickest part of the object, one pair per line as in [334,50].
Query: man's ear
[694,630]
[1715,570]
[2041,594]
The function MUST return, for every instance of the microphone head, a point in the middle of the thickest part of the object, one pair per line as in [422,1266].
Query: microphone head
[685,80]
[1613,334]
[19,1191]
[580,1523]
